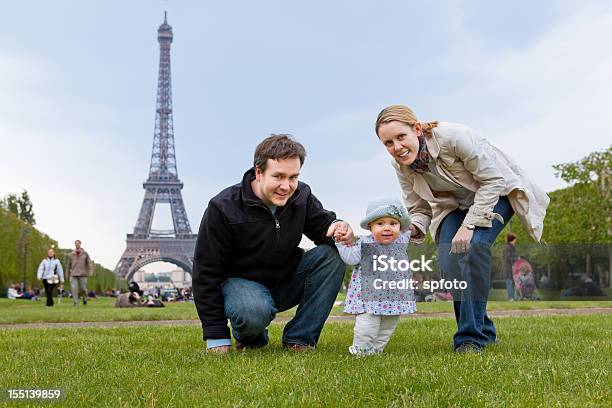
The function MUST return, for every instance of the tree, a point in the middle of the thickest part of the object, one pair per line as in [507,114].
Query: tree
[11,203]
[578,223]
[26,214]
[12,247]
[20,205]
[590,199]
[595,170]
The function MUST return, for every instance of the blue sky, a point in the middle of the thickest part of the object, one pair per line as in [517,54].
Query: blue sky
[78,82]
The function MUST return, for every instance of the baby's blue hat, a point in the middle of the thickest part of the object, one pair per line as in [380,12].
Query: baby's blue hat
[387,207]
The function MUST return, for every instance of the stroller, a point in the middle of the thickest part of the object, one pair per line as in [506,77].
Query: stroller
[524,281]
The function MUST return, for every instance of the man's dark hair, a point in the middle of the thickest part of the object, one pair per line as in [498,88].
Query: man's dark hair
[277,147]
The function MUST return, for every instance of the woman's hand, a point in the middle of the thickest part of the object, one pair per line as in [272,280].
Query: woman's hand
[415,233]
[461,240]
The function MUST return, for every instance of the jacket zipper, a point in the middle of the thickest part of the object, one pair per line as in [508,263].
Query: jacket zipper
[276,222]
[277,229]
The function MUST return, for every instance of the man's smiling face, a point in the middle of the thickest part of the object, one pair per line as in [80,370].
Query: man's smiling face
[277,183]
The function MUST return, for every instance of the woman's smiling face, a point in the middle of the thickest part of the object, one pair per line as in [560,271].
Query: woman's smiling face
[401,140]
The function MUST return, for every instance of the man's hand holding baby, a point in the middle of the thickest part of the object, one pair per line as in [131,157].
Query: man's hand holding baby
[342,232]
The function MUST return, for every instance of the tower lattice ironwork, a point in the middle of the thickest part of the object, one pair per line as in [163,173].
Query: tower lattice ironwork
[146,245]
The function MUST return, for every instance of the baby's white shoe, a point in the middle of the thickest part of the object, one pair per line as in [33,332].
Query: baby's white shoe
[363,351]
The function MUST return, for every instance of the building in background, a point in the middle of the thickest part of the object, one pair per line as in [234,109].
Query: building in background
[177,278]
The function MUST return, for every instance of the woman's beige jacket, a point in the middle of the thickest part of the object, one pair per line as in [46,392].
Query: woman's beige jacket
[464,157]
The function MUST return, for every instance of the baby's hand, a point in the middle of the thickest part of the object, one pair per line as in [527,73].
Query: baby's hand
[340,231]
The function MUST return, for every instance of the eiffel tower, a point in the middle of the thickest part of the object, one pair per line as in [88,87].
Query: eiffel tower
[147,245]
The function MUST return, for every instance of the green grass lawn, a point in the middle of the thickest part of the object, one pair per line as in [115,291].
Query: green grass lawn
[542,361]
[101,309]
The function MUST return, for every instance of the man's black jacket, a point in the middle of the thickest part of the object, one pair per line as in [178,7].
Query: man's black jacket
[240,237]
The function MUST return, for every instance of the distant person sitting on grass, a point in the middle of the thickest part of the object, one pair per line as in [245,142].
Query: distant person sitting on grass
[152,302]
[131,298]
[378,311]
[248,265]
[27,294]
[12,292]
[585,286]
[592,289]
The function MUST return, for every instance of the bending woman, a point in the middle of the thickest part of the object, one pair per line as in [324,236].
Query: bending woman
[463,190]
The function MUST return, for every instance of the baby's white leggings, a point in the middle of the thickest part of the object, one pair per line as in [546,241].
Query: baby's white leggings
[372,333]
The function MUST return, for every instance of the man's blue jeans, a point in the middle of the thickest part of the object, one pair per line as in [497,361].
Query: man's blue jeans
[251,306]
[474,267]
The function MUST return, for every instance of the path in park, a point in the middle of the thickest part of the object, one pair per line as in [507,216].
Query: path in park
[284,319]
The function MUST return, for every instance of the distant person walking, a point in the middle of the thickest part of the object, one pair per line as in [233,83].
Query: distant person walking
[51,273]
[79,268]
[508,262]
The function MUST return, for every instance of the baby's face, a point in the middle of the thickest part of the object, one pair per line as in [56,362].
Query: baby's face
[385,230]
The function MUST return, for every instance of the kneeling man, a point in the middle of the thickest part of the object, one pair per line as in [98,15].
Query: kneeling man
[247,263]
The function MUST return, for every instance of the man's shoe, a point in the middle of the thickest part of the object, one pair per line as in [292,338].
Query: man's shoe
[468,347]
[242,347]
[300,348]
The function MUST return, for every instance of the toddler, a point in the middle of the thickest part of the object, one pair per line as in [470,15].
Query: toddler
[377,316]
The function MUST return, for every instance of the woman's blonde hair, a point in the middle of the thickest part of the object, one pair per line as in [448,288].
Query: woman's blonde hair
[404,114]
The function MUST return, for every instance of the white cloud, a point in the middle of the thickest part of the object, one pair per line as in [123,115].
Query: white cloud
[61,150]
[556,95]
